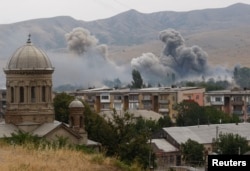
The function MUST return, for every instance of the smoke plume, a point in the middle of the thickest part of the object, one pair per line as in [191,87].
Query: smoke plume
[87,62]
[177,62]
[80,40]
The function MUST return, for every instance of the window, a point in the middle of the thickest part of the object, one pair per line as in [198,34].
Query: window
[105,106]
[163,106]
[4,95]
[105,97]
[72,121]
[208,99]
[133,97]
[171,160]
[12,94]
[118,106]
[147,105]
[163,97]
[117,97]
[33,94]
[43,93]
[173,98]
[146,97]
[81,122]
[217,99]
[21,93]
[133,105]
[237,99]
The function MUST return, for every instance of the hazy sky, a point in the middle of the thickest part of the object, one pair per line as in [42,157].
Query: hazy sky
[19,10]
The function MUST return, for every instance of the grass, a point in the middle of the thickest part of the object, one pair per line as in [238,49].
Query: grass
[21,158]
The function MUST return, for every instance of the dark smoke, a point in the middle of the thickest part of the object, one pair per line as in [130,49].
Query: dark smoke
[185,60]
[177,62]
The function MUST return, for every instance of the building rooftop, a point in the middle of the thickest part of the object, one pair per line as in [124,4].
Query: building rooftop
[29,57]
[163,145]
[46,128]
[204,134]
[7,129]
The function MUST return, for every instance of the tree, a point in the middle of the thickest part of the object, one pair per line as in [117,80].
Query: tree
[230,143]
[216,116]
[116,83]
[190,113]
[61,106]
[241,76]
[137,79]
[99,130]
[192,152]
[165,122]
[22,138]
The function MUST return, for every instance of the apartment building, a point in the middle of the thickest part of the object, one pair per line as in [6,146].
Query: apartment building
[230,101]
[158,99]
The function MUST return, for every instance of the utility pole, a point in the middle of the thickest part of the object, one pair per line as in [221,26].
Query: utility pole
[217,130]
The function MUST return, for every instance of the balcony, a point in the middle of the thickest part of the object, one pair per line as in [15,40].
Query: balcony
[240,102]
[238,112]
[164,101]
[163,110]
[146,99]
[117,100]
[217,103]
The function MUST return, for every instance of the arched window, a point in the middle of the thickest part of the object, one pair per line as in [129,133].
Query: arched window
[72,124]
[81,122]
[21,95]
[43,94]
[33,94]
[12,95]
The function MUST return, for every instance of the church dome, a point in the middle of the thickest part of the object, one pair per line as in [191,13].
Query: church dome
[76,104]
[29,57]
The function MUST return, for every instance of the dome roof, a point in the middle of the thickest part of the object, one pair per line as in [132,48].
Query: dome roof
[76,103]
[29,57]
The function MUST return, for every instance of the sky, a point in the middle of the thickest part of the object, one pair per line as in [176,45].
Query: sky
[88,10]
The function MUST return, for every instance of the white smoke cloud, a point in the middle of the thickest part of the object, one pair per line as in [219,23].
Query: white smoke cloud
[86,63]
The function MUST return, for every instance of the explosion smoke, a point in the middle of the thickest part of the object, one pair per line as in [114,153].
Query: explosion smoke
[89,60]
[186,60]
[176,62]
[80,40]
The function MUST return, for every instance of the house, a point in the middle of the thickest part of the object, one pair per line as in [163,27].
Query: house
[166,144]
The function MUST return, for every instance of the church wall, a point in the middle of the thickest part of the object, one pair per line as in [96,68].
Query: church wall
[29,98]
[61,132]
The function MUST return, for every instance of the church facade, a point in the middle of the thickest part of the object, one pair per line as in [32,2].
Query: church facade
[29,103]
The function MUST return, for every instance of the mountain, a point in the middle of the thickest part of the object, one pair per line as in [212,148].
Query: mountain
[224,33]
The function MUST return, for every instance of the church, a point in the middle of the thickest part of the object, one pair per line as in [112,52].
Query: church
[29,103]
